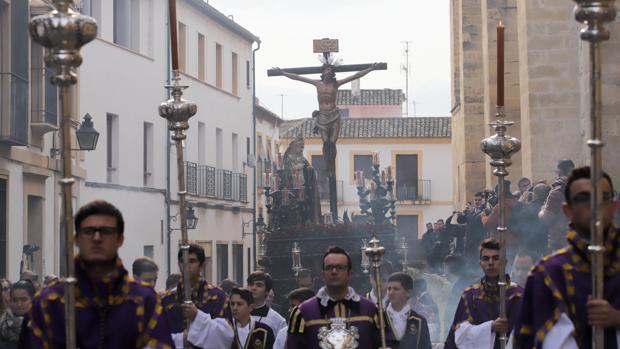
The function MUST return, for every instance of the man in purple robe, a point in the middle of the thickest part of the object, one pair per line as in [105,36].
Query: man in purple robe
[335,301]
[476,322]
[207,298]
[557,310]
[112,311]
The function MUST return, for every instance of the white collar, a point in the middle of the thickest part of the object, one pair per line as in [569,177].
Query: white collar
[324,297]
[404,312]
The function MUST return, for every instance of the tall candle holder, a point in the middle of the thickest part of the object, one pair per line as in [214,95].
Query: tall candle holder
[595,15]
[63,32]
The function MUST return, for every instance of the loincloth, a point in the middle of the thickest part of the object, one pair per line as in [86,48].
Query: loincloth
[325,120]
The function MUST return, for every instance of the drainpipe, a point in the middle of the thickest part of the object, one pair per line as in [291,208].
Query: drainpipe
[167,199]
[254,151]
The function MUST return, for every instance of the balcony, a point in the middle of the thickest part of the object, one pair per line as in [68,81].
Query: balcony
[214,183]
[418,194]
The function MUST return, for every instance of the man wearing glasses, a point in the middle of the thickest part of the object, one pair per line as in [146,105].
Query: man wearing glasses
[476,322]
[557,310]
[112,310]
[336,303]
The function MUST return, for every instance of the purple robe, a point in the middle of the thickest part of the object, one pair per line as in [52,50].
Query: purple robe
[480,303]
[310,316]
[561,283]
[115,313]
[210,300]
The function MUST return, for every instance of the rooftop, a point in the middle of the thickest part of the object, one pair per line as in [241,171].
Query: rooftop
[371,97]
[418,127]
[224,20]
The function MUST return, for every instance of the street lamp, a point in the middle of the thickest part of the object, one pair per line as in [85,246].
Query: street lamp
[86,135]
[190,218]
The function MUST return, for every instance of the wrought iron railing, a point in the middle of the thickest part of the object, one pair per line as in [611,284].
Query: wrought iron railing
[210,182]
[419,193]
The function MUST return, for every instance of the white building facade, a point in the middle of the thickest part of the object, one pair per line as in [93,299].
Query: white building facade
[121,85]
[417,149]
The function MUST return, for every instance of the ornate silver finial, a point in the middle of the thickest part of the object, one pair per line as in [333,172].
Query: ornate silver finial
[177,110]
[595,14]
[63,32]
[500,147]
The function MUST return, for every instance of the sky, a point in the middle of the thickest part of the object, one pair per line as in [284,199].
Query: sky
[368,31]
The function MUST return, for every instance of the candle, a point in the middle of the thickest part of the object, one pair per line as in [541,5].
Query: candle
[375,158]
[500,64]
[285,197]
[389,173]
[383,176]
[279,164]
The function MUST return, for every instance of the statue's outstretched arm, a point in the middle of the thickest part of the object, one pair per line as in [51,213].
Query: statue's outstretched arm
[358,75]
[295,76]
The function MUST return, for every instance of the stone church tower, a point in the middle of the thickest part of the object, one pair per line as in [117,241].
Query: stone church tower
[546,84]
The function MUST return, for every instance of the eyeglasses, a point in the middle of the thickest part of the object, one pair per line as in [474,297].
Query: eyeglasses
[585,197]
[103,231]
[338,267]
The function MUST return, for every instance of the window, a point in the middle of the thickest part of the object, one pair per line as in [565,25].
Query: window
[202,145]
[3,208]
[218,65]
[149,251]
[182,47]
[238,263]
[235,153]
[406,176]
[92,8]
[248,151]
[235,75]
[363,163]
[222,262]
[34,229]
[127,24]
[44,97]
[407,226]
[147,157]
[219,148]
[112,148]
[201,57]
[247,74]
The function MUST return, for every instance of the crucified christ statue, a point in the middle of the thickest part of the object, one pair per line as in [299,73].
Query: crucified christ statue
[327,118]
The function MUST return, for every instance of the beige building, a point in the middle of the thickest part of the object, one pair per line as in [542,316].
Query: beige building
[546,89]
[418,149]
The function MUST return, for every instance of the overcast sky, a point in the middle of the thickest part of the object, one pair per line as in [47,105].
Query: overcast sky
[368,31]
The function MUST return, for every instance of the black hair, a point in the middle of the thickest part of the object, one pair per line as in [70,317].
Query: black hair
[23,285]
[244,294]
[143,265]
[260,275]
[338,250]
[580,173]
[489,244]
[331,76]
[479,193]
[227,285]
[301,294]
[455,263]
[195,249]
[99,207]
[172,280]
[405,280]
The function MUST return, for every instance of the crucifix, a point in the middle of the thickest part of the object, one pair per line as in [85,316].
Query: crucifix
[327,118]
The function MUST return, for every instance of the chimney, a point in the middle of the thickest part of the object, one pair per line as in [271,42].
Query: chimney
[355,89]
